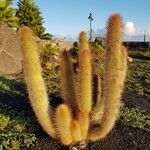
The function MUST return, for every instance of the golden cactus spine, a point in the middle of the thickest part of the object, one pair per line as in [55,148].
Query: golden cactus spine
[114,78]
[63,120]
[76,131]
[68,84]
[85,76]
[80,122]
[97,89]
[71,121]
[36,87]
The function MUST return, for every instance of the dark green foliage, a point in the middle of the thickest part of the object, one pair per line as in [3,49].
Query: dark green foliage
[48,57]
[47,36]
[137,82]
[29,15]
[74,54]
[140,54]
[138,77]
[135,118]
[13,126]
[12,86]
[7,14]
[97,51]
[51,79]
[74,51]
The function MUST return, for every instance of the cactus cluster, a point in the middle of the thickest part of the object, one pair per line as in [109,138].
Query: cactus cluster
[90,109]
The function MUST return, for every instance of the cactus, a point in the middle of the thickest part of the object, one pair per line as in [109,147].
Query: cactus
[115,70]
[68,83]
[35,84]
[85,79]
[81,116]
[63,122]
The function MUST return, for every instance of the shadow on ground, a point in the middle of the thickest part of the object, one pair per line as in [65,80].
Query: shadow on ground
[121,137]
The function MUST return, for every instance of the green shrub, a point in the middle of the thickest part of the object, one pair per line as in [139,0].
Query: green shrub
[74,51]
[97,51]
[48,55]
[138,77]
[11,86]
[16,141]
[13,125]
[140,54]
[51,77]
[135,118]
[4,120]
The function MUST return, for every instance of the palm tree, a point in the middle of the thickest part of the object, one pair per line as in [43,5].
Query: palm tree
[7,14]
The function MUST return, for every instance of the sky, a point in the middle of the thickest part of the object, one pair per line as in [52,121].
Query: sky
[69,17]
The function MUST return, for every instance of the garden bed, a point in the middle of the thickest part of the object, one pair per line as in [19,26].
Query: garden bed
[132,131]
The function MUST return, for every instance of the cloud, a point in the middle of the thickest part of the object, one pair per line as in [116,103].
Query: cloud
[147,31]
[71,37]
[66,37]
[131,33]
[130,29]
[60,36]
[99,32]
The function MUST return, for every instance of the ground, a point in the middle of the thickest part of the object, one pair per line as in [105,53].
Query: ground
[132,130]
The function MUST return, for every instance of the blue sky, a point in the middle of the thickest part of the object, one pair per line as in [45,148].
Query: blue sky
[70,16]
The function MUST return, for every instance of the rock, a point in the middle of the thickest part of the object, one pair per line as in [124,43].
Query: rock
[10,51]
[130,59]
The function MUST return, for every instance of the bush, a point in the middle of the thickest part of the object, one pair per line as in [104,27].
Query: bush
[135,118]
[12,86]
[74,51]
[49,60]
[13,126]
[140,54]
[138,77]
[49,56]
[51,77]
[97,51]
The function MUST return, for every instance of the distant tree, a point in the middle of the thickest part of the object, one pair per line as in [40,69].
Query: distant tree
[30,15]
[47,36]
[7,14]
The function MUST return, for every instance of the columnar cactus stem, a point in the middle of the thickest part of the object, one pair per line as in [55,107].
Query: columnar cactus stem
[83,119]
[85,80]
[33,75]
[97,89]
[76,131]
[123,65]
[98,107]
[68,84]
[63,124]
[77,119]
[112,83]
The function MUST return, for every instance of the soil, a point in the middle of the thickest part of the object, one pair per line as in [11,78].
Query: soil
[123,138]
[132,100]
[120,138]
